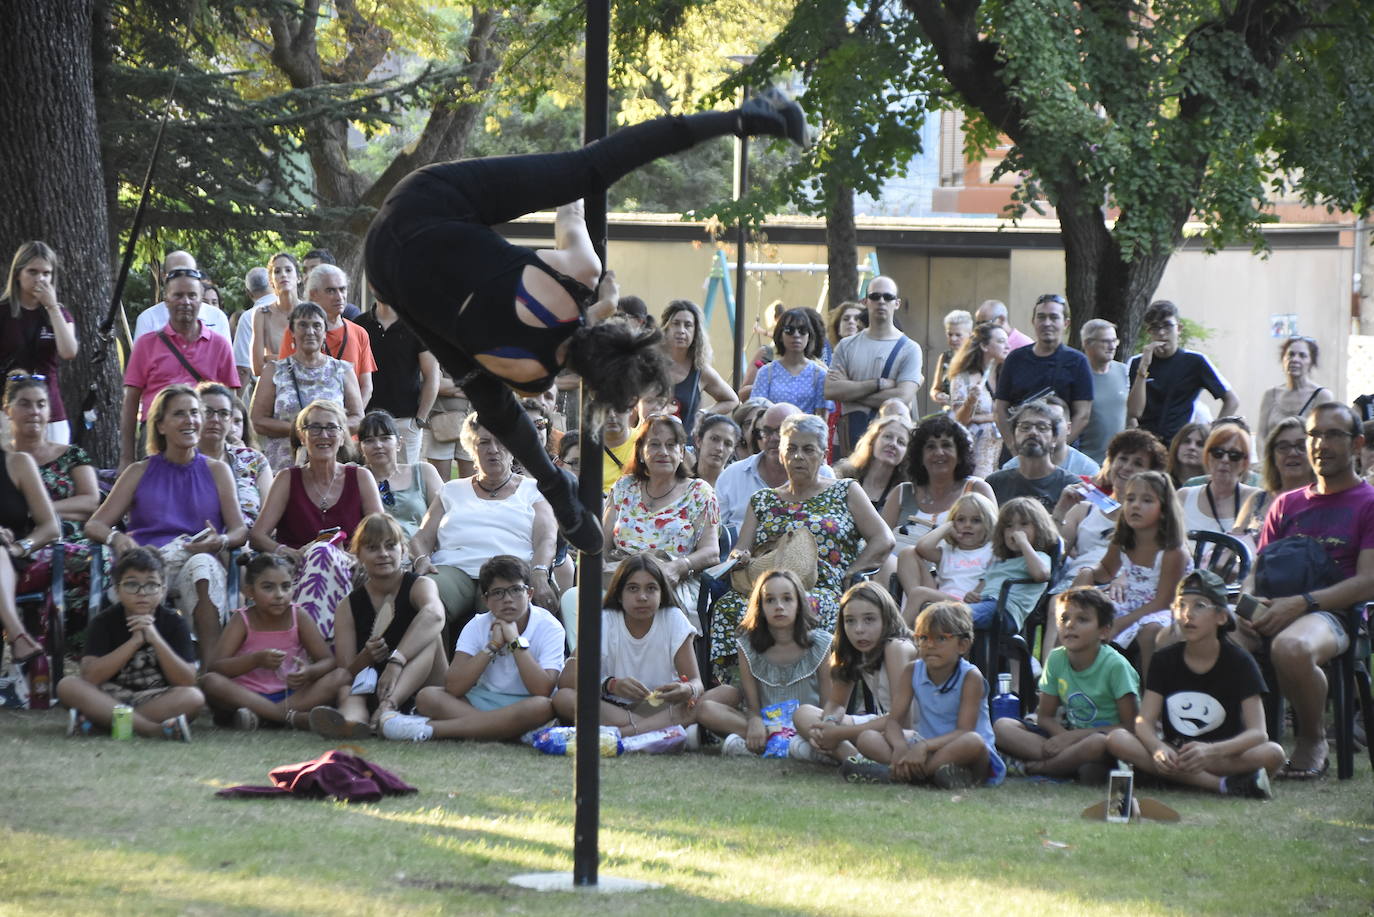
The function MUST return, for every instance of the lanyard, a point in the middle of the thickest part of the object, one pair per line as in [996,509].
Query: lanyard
[1207,489]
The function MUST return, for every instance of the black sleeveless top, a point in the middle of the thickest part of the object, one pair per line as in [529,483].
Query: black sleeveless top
[403,612]
[14,509]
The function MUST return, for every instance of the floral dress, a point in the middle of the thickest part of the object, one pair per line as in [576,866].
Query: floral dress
[673,530]
[298,385]
[1141,584]
[828,518]
[60,482]
[987,440]
[246,463]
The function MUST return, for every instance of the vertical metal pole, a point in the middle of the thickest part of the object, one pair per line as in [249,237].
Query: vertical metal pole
[741,187]
[587,774]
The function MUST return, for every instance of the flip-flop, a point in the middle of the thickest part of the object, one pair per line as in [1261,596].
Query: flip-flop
[1289,772]
[37,649]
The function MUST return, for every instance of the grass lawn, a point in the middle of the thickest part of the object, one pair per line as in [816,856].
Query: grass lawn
[92,826]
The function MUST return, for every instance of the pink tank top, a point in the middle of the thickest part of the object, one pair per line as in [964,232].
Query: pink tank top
[270,681]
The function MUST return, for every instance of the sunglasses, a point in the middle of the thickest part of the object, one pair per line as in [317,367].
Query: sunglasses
[184,272]
[795,329]
[1052,297]
[882,297]
[20,377]
[388,498]
[1218,453]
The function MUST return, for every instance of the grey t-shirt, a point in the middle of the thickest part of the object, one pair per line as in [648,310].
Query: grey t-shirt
[1007,485]
[860,357]
[1109,411]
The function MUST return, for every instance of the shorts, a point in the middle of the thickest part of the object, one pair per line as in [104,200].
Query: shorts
[132,698]
[997,768]
[432,448]
[486,699]
[1337,625]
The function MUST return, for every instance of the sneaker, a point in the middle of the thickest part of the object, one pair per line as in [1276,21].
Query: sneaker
[245,720]
[802,750]
[330,723]
[953,777]
[1093,773]
[693,737]
[1015,766]
[735,747]
[401,727]
[774,113]
[78,725]
[1250,786]
[177,729]
[861,769]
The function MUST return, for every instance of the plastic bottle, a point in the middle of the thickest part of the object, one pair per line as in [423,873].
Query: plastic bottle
[40,683]
[1005,703]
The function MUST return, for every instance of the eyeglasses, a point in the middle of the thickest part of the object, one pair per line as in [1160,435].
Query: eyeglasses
[134,588]
[766,432]
[212,414]
[882,297]
[1107,342]
[1219,453]
[1288,448]
[1052,297]
[184,272]
[505,592]
[388,497]
[1318,436]
[795,329]
[323,429]
[1034,426]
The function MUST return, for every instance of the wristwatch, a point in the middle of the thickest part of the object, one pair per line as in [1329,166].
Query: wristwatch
[519,643]
[1312,604]
[25,546]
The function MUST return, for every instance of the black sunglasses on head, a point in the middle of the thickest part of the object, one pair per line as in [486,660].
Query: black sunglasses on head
[184,272]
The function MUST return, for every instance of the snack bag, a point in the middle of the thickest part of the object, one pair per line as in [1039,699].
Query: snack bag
[562,740]
[778,720]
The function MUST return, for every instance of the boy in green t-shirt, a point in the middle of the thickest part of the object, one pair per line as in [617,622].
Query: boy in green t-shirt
[1095,685]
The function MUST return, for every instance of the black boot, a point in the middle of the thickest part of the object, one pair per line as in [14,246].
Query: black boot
[580,527]
[775,114]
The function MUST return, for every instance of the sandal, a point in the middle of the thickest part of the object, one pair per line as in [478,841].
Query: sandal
[14,649]
[177,729]
[332,724]
[1289,772]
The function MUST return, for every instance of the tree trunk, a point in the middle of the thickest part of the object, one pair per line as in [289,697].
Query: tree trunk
[841,245]
[50,173]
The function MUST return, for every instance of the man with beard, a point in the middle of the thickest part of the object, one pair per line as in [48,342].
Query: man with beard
[1035,425]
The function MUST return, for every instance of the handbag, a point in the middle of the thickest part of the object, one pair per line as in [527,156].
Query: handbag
[795,551]
[446,427]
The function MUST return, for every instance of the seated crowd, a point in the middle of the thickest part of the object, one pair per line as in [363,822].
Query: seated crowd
[348,579]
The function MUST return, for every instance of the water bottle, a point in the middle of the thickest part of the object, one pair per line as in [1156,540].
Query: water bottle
[40,682]
[1005,703]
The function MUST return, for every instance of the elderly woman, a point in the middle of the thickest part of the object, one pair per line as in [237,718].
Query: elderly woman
[1299,394]
[252,473]
[312,508]
[184,505]
[878,461]
[939,470]
[471,520]
[1215,505]
[972,380]
[715,446]
[406,490]
[1286,467]
[689,351]
[1087,530]
[656,507]
[797,375]
[837,512]
[36,331]
[307,375]
[70,482]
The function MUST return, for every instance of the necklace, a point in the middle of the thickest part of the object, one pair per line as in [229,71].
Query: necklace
[655,499]
[327,498]
[492,491]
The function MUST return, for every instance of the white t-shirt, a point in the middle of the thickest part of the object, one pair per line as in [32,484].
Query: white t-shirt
[960,569]
[155,318]
[243,335]
[543,632]
[648,659]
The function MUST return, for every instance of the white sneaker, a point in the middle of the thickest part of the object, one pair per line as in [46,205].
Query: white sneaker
[802,750]
[401,727]
[694,737]
[735,747]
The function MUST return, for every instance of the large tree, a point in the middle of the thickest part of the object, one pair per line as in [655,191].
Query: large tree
[1158,113]
[51,176]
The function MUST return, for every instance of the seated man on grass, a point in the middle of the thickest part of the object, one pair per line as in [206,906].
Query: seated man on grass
[504,667]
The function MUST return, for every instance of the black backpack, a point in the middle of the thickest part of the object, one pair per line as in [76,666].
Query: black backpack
[1292,566]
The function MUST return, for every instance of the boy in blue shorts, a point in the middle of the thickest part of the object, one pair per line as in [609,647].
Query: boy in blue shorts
[1095,686]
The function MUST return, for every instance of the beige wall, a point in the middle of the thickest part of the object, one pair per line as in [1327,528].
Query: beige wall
[1233,292]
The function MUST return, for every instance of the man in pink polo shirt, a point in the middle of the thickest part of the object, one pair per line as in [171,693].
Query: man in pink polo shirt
[995,311]
[184,350]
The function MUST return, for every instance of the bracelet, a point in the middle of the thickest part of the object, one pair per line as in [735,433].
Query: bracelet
[395,660]
[25,546]
[608,686]
[396,657]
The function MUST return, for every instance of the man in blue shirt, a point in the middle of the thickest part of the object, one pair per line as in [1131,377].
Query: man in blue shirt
[1047,364]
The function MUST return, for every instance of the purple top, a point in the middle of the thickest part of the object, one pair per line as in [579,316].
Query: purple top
[1343,522]
[174,500]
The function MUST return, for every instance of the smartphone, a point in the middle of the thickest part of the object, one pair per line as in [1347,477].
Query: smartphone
[1120,793]
[203,533]
[1099,498]
[1247,605]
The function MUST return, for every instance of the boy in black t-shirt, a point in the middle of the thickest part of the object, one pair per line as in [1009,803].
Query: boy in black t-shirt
[139,653]
[1204,694]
